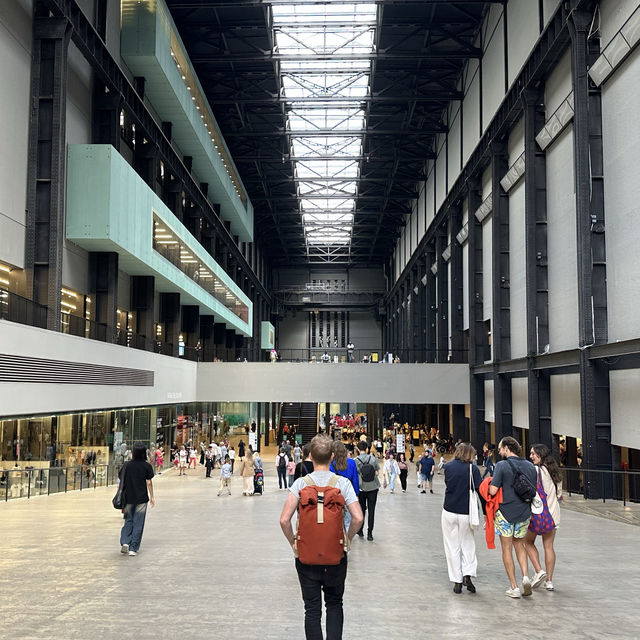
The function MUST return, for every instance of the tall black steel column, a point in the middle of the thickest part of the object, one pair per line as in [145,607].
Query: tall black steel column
[500,326]
[459,425]
[537,292]
[442,323]
[46,161]
[170,317]
[590,222]
[477,342]
[142,302]
[432,305]
[103,283]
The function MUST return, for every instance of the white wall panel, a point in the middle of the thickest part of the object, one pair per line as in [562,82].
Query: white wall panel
[625,408]
[492,74]
[517,272]
[486,182]
[78,98]
[520,402]
[515,145]
[422,203]
[562,244]
[613,14]
[75,268]
[430,197]
[549,8]
[471,112]
[489,405]
[621,141]
[441,175]
[15,76]
[454,148]
[413,224]
[558,85]
[523,26]
[565,405]
[487,270]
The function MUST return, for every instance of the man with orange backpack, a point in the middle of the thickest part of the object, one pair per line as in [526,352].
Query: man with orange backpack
[320,543]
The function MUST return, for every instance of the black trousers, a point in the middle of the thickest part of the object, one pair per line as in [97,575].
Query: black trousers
[403,478]
[316,580]
[368,500]
[209,466]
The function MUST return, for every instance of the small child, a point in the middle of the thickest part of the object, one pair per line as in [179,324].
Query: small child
[291,470]
[225,476]
[182,464]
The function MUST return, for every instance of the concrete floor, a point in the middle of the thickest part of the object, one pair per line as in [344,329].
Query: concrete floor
[220,568]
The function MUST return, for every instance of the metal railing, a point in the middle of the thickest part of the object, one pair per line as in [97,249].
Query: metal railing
[28,482]
[22,310]
[342,354]
[600,484]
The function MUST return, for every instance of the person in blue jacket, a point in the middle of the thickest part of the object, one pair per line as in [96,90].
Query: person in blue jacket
[344,466]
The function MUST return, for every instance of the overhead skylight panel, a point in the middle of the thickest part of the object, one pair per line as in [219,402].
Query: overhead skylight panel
[325,76]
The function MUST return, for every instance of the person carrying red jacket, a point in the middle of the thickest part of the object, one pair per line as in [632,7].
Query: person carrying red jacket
[493,504]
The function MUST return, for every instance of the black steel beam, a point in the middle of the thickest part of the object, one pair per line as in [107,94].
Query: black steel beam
[428,131]
[592,292]
[536,289]
[434,96]
[455,54]
[46,162]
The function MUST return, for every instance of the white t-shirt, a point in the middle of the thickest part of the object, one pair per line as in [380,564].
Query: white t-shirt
[321,479]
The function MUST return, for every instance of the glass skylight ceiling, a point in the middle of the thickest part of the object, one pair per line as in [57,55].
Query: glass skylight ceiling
[324,85]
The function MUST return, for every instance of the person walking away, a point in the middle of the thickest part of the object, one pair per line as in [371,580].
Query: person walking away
[203,453]
[247,467]
[440,464]
[305,466]
[138,491]
[511,521]
[281,468]
[297,453]
[209,459]
[232,457]
[368,469]
[193,458]
[404,469]
[241,449]
[390,471]
[426,471]
[460,475]
[291,470]
[317,579]
[346,467]
[545,524]
[225,476]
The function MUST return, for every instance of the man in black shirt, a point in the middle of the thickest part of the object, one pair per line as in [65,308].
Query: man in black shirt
[138,491]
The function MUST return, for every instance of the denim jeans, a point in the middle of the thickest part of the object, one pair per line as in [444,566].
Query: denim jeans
[317,579]
[131,534]
[392,481]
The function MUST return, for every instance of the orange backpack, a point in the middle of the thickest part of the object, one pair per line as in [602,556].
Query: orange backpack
[321,538]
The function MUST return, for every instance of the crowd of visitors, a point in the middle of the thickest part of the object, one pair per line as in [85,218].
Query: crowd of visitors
[515,499]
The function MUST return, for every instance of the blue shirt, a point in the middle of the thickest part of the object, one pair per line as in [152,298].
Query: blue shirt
[351,473]
[426,466]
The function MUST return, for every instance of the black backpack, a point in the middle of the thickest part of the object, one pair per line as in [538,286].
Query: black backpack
[281,460]
[523,487]
[367,470]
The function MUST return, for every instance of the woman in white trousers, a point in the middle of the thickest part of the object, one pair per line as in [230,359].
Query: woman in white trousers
[460,475]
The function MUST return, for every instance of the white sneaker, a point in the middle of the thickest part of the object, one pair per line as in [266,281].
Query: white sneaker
[124,548]
[538,578]
[526,586]
[548,585]
[513,593]
[133,553]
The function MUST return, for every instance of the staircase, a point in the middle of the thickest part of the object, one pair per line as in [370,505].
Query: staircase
[302,415]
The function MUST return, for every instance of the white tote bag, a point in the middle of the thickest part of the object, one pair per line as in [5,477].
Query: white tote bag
[474,502]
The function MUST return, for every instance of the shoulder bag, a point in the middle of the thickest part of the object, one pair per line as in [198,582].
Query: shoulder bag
[119,499]
[474,502]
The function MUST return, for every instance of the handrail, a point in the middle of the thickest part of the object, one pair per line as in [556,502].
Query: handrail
[604,484]
[27,482]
